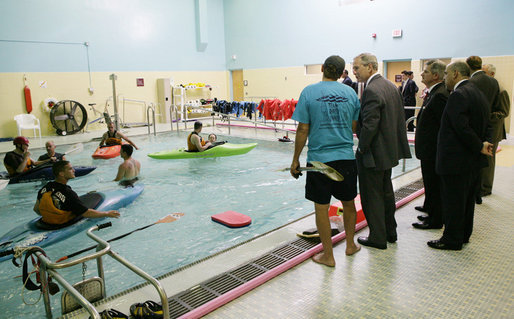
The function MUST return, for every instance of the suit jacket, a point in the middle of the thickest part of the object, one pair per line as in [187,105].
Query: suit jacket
[347,81]
[409,93]
[463,130]
[381,126]
[499,112]
[429,121]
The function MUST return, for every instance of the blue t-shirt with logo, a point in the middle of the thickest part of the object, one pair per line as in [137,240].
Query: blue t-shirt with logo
[329,107]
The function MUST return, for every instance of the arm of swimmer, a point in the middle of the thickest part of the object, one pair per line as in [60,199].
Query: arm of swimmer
[23,164]
[104,137]
[198,144]
[128,140]
[121,173]
[302,132]
[91,213]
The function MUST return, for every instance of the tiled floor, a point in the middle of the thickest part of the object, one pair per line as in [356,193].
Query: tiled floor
[409,279]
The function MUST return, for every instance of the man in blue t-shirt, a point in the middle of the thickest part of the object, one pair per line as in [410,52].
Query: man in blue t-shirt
[327,113]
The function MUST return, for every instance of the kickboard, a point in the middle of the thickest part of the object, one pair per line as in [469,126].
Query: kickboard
[313,233]
[232,219]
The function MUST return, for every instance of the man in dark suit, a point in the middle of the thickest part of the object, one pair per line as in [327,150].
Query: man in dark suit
[460,145]
[408,90]
[489,86]
[499,112]
[346,78]
[428,123]
[382,143]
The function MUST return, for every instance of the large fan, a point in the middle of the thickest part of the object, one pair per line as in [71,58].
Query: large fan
[68,117]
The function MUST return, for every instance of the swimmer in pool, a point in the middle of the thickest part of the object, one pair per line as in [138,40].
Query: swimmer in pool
[113,137]
[51,155]
[213,139]
[195,142]
[59,204]
[128,171]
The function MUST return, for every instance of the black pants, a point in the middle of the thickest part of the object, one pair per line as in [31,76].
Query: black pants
[458,203]
[408,115]
[378,202]
[432,183]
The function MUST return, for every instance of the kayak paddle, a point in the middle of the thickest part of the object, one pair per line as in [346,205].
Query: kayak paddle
[166,219]
[3,183]
[320,168]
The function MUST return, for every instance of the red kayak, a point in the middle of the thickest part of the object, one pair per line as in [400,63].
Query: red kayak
[105,152]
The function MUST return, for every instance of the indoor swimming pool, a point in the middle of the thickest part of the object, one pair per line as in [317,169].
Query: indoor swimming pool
[251,184]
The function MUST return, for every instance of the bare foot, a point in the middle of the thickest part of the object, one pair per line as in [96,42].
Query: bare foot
[352,249]
[321,259]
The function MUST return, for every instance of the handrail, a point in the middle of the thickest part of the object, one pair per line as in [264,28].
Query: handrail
[104,248]
[245,120]
[150,107]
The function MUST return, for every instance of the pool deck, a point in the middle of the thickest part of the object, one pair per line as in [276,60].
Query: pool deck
[408,280]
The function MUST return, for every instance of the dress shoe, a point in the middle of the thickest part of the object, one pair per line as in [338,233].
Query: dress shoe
[425,225]
[486,194]
[422,217]
[392,239]
[365,241]
[438,244]
[421,209]
[478,200]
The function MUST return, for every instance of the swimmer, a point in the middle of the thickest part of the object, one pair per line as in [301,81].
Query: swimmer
[58,204]
[18,161]
[128,171]
[51,155]
[113,137]
[213,138]
[195,143]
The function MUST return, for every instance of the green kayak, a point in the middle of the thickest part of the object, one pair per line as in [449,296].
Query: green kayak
[227,149]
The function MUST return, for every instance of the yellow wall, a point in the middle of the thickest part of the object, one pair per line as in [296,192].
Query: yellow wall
[74,86]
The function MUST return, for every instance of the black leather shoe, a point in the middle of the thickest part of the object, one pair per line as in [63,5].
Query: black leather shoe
[486,194]
[421,209]
[364,241]
[478,200]
[438,244]
[425,225]
[392,239]
[422,217]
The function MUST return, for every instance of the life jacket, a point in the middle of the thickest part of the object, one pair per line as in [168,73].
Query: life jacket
[50,213]
[29,165]
[112,139]
[192,147]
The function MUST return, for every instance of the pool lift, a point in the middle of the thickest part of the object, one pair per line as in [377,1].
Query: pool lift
[91,290]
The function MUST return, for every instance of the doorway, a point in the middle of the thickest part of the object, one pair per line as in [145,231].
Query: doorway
[237,85]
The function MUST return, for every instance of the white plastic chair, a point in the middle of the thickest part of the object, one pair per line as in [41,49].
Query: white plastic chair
[27,122]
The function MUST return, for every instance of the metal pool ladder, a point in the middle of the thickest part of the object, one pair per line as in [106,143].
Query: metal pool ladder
[96,283]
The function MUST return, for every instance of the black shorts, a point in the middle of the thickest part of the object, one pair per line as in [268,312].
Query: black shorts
[319,188]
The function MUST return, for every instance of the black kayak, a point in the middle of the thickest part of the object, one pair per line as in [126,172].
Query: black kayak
[43,173]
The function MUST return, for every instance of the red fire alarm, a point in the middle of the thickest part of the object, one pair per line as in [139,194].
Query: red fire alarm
[374,35]
[140,82]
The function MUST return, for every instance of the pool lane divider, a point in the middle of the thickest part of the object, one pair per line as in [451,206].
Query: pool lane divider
[270,274]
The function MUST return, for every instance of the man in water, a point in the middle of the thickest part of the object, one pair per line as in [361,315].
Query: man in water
[51,155]
[58,204]
[128,171]
[195,143]
[327,113]
[113,137]
[18,160]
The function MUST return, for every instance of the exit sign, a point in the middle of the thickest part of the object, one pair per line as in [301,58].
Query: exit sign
[397,33]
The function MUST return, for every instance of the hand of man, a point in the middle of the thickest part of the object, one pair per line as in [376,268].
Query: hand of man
[294,169]
[26,154]
[113,214]
[487,149]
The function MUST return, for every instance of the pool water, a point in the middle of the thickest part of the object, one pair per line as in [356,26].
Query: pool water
[250,184]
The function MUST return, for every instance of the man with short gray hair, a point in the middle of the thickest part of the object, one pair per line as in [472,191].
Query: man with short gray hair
[499,112]
[428,123]
[382,143]
[461,145]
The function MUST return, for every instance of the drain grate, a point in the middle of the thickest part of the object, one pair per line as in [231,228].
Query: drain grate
[194,297]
